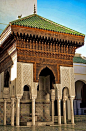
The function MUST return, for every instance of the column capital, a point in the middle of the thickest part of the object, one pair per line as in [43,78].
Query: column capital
[5,100]
[58,98]
[72,97]
[64,99]
[18,97]
[12,98]
[33,97]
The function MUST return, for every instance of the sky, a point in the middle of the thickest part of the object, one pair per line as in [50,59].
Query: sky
[11,9]
[70,13]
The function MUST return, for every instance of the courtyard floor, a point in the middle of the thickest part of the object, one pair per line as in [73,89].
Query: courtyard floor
[79,126]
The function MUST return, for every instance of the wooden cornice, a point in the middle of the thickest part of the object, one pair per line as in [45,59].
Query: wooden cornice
[47,31]
[39,38]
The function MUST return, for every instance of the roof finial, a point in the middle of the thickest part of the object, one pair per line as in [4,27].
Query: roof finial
[34,9]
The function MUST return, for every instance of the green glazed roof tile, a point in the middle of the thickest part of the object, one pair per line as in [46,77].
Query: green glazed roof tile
[43,23]
[79,60]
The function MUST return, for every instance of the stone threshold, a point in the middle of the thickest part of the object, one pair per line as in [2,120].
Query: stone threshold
[63,124]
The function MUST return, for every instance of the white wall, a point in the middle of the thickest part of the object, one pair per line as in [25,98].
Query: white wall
[79,72]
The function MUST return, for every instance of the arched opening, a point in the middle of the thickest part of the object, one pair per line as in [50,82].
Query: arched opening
[46,83]
[26,88]
[80,98]
[25,104]
[65,96]
[48,75]
[78,89]
[83,95]
[26,94]
[65,93]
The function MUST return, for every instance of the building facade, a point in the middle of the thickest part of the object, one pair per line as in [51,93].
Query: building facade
[79,64]
[36,72]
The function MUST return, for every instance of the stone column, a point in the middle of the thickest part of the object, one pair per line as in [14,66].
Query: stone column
[17,111]
[64,110]
[52,100]
[33,111]
[72,111]
[12,111]
[52,111]
[59,110]
[4,111]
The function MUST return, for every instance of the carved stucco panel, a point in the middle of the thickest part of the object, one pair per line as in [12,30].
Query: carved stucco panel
[18,83]
[58,91]
[65,77]
[24,76]
[27,74]
[72,82]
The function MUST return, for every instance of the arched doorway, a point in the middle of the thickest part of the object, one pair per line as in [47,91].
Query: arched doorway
[83,95]
[25,105]
[49,78]
[65,104]
[80,98]
[26,94]
[46,81]
[65,95]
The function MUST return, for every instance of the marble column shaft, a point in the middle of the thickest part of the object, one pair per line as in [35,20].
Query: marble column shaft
[64,110]
[12,111]
[33,111]
[4,111]
[17,111]
[53,111]
[59,110]
[72,111]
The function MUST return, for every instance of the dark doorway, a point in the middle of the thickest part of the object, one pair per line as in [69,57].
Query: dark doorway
[46,72]
[55,108]
[26,88]
[83,95]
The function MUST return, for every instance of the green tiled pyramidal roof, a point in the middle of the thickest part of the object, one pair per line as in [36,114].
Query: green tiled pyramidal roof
[79,60]
[37,21]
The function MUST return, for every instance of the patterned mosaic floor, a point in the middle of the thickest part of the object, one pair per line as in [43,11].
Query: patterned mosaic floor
[80,126]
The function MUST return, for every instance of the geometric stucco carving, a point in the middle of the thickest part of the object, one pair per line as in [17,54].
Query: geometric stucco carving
[58,91]
[18,83]
[27,70]
[67,79]
[72,82]
[24,76]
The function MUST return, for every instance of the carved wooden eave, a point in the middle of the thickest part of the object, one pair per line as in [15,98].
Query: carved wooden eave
[71,39]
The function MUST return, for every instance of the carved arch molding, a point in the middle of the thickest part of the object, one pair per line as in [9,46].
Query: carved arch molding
[55,68]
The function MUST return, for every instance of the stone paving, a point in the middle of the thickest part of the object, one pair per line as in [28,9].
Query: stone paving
[79,126]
